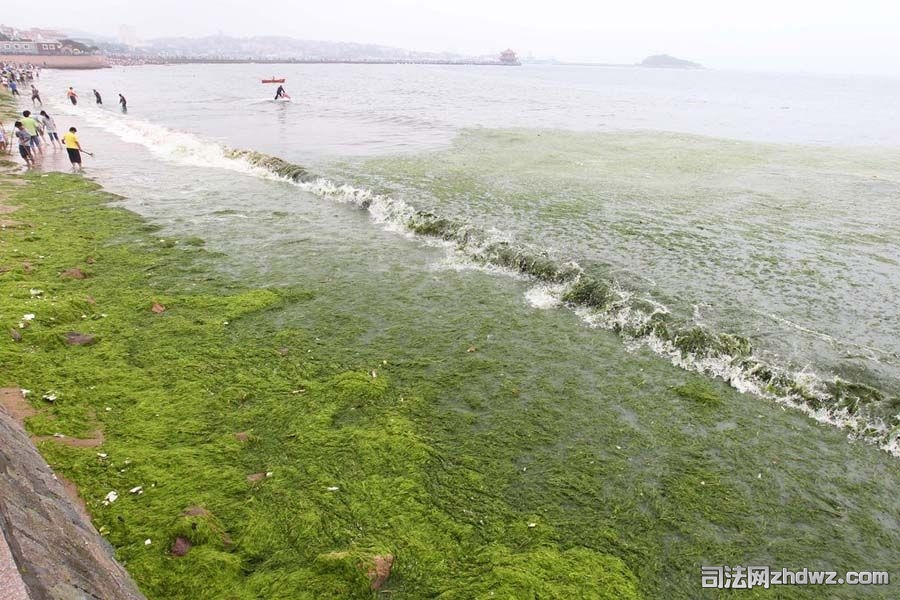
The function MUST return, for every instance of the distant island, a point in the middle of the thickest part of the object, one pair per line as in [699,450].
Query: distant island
[664,60]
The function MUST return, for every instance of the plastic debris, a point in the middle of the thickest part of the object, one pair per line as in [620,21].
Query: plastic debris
[111,497]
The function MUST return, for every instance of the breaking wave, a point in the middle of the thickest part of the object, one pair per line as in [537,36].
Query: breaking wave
[861,410]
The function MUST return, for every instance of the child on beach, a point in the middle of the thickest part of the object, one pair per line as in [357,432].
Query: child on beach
[24,144]
[73,148]
[50,128]
[73,97]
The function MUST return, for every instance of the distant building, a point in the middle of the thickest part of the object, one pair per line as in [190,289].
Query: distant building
[34,42]
[36,33]
[32,47]
[508,57]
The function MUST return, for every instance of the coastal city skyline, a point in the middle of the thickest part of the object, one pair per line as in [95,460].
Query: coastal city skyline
[801,36]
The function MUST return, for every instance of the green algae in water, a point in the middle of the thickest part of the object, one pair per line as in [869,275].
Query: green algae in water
[428,456]
[630,203]
[591,293]
[700,392]
[331,473]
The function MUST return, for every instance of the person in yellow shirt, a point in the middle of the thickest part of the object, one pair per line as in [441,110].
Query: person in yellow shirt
[73,148]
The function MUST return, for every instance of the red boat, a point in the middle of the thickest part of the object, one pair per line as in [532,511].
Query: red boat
[273,80]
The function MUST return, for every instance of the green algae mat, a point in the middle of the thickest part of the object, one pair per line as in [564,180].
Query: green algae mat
[232,467]
[231,450]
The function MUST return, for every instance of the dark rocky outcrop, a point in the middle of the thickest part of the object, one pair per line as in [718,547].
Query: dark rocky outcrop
[44,538]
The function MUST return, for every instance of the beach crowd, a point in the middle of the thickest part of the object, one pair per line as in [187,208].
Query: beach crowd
[33,133]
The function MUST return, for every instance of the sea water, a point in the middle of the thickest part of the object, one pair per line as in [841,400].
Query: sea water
[741,227]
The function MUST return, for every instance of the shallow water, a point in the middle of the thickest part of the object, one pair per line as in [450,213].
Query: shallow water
[787,242]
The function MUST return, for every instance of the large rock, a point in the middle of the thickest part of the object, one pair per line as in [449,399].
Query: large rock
[53,546]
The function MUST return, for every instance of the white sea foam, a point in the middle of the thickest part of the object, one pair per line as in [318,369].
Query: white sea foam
[546,296]
[167,144]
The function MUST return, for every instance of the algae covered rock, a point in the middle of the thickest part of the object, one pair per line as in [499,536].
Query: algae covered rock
[197,526]
[73,338]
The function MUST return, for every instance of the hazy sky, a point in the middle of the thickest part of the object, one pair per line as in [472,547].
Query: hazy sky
[861,36]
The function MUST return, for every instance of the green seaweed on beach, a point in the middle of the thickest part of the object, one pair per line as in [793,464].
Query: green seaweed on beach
[243,469]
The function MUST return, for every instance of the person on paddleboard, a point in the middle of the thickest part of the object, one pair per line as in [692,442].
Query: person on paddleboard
[280,93]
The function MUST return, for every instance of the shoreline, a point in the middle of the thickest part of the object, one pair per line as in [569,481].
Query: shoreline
[66,62]
[137,61]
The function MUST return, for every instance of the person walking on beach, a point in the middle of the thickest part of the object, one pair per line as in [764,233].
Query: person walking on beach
[13,87]
[35,95]
[50,128]
[33,128]
[73,97]
[123,102]
[24,144]
[73,148]
[97,97]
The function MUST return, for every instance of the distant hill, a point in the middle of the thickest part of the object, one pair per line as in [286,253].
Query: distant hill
[270,47]
[664,60]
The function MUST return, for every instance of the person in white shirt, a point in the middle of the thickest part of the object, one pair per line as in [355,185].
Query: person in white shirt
[50,127]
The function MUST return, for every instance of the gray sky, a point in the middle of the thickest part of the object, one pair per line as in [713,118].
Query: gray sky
[860,36]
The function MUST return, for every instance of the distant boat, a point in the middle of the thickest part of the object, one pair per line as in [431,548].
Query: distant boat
[273,80]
